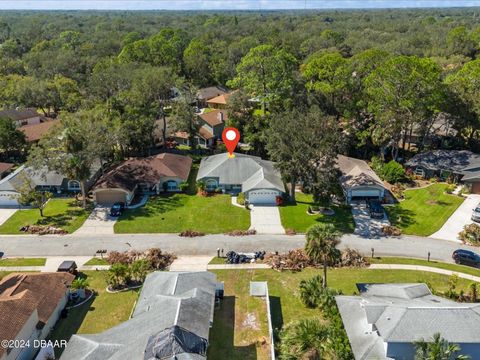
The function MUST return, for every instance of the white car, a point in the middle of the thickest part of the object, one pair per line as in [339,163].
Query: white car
[476,214]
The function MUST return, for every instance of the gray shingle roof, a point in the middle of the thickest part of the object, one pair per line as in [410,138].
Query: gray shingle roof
[356,172]
[19,114]
[250,171]
[211,92]
[38,177]
[457,161]
[404,313]
[167,299]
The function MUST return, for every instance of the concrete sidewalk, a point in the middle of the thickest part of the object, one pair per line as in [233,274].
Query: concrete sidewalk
[424,268]
[191,263]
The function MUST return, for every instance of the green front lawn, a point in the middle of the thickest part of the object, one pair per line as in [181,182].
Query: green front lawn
[236,343]
[424,211]
[23,262]
[437,264]
[294,216]
[179,212]
[96,261]
[61,213]
[99,314]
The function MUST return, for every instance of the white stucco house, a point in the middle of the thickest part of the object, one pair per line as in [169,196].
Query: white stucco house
[256,178]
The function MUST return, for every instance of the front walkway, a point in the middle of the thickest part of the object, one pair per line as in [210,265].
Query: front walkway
[51,264]
[98,223]
[266,220]
[456,222]
[423,268]
[364,225]
[5,214]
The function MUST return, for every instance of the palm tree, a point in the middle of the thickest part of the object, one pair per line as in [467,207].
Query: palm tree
[310,291]
[437,349]
[320,245]
[304,339]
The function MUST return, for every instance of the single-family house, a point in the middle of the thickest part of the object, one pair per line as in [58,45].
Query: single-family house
[211,125]
[207,93]
[171,320]
[30,306]
[386,320]
[256,178]
[21,117]
[5,169]
[150,175]
[358,180]
[219,102]
[458,165]
[34,132]
[43,180]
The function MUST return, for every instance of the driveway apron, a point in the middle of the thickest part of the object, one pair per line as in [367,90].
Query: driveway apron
[366,226]
[266,220]
[98,223]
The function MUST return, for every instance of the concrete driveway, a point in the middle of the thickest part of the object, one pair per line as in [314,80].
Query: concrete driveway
[364,225]
[460,218]
[266,220]
[5,214]
[99,222]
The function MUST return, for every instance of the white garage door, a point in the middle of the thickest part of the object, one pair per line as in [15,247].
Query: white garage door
[263,196]
[6,199]
[366,193]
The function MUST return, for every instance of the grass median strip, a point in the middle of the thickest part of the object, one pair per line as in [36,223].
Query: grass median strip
[22,262]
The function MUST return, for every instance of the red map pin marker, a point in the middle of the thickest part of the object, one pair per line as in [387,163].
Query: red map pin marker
[230,137]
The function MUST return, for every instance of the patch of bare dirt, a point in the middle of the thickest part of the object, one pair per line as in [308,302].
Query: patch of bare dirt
[251,322]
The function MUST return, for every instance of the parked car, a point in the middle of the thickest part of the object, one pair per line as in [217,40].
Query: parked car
[476,214]
[117,209]
[376,209]
[68,266]
[466,257]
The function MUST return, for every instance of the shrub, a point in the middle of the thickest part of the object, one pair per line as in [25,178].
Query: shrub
[241,198]
[311,291]
[470,234]
[79,283]
[191,233]
[118,275]
[201,186]
[376,164]
[450,188]
[393,172]
[218,190]
[183,186]
[139,270]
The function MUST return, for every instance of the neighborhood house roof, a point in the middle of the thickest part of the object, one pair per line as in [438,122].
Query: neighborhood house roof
[204,133]
[221,99]
[356,172]
[23,294]
[211,92]
[404,313]
[457,161]
[175,304]
[214,117]
[34,132]
[4,167]
[37,177]
[250,171]
[19,114]
[128,174]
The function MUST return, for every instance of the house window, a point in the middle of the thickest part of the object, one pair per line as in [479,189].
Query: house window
[171,185]
[211,184]
[74,185]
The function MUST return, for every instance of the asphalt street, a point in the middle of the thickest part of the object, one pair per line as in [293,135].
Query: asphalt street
[86,245]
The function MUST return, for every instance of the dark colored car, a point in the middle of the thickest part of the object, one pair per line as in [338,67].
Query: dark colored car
[117,209]
[466,257]
[376,209]
[68,266]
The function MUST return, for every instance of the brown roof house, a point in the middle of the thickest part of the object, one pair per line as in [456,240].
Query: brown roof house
[34,132]
[205,94]
[143,176]
[219,102]
[211,125]
[30,306]
[5,169]
[358,180]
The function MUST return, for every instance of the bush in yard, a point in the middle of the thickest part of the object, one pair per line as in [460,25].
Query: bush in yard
[201,186]
[311,291]
[393,172]
[304,339]
[470,234]
[139,270]
[118,275]
[183,186]
[241,198]
[376,164]
[450,188]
